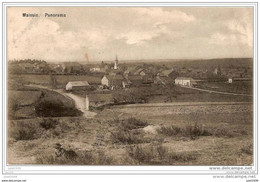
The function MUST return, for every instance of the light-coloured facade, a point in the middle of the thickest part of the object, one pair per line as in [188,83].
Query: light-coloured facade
[230,80]
[105,81]
[185,81]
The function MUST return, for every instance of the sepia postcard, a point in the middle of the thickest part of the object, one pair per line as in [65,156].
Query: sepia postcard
[130,86]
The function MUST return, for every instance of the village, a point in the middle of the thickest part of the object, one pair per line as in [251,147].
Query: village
[115,75]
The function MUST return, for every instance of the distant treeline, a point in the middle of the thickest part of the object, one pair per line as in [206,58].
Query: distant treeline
[30,61]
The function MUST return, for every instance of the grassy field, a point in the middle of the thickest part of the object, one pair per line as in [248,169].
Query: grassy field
[181,135]
[243,87]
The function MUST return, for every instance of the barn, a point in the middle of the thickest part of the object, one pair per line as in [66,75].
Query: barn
[185,81]
[77,85]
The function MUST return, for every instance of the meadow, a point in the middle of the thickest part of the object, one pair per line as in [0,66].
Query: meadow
[219,135]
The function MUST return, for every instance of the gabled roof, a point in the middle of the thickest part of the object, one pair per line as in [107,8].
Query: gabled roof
[163,79]
[184,78]
[139,71]
[167,72]
[79,83]
[114,77]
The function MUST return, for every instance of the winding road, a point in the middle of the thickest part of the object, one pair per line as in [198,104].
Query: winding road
[79,101]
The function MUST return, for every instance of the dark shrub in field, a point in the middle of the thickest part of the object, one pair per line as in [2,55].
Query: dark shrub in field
[24,130]
[132,123]
[128,137]
[55,108]
[48,123]
[141,154]
[127,131]
[182,157]
[84,158]
[192,130]
[158,155]
[170,130]
[196,130]
[248,149]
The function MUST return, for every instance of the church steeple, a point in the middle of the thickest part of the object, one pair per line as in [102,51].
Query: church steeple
[116,63]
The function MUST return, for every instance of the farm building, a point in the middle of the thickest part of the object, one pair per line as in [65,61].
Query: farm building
[185,81]
[77,85]
[112,80]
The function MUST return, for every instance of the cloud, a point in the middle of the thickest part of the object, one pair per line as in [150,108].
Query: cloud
[151,23]
[134,32]
[239,34]
[161,16]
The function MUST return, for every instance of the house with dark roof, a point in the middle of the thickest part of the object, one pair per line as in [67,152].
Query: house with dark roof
[113,81]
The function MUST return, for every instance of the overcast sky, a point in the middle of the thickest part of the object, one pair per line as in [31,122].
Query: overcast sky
[130,32]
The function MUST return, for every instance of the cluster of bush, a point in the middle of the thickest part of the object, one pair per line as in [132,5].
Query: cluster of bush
[197,129]
[156,154]
[81,158]
[128,132]
[30,129]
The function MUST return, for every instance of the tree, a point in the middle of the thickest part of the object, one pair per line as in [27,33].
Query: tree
[53,81]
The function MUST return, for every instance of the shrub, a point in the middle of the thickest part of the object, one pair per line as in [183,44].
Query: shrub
[192,131]
[48,123]
[132,123]
[169,130]
[141,154]
[128,137]
[127,131]
[182,157]
[55,108]
[158,155]
[248,149]
[24,130]
[223,131]
[196,130]
[85,158]
[103,159]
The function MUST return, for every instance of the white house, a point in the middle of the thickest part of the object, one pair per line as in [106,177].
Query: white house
[77,85]
[230,80]
[185,81]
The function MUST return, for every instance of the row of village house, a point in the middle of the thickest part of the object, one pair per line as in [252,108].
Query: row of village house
[117,81]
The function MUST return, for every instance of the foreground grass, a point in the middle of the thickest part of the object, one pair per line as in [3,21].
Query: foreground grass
[187,139]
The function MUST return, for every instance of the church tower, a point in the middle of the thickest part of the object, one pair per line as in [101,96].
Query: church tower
[116,64]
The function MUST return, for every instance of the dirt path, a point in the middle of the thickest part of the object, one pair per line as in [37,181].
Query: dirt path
[79,101]
[217,92]
[183,104]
